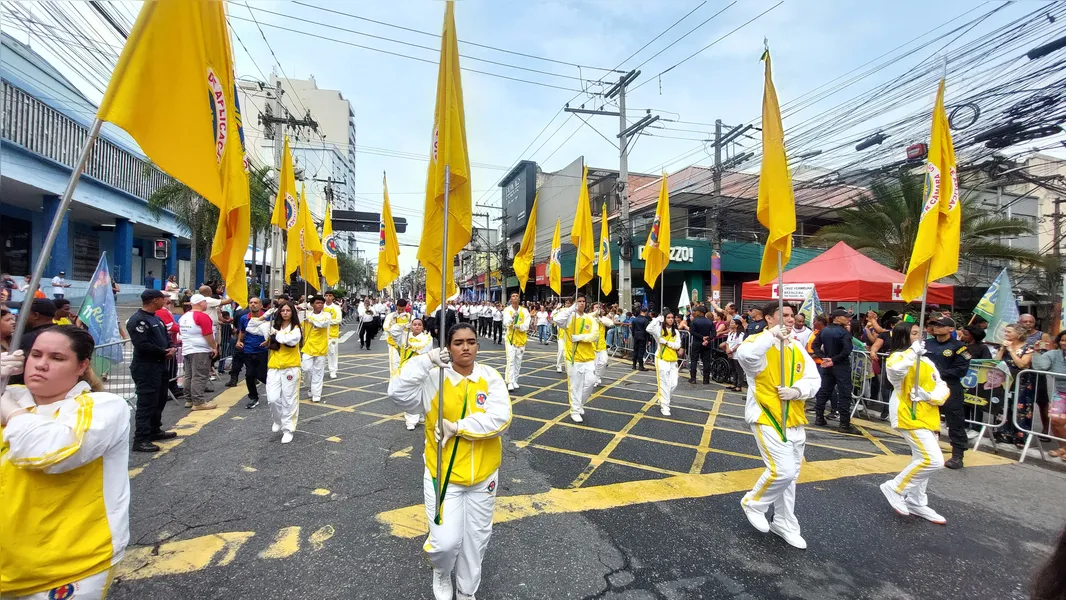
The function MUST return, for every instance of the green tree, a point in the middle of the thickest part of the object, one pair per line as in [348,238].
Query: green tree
[193,212]
[884,222]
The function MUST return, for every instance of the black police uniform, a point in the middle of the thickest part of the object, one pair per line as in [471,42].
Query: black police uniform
[834,343]
[701,329]
[150,373]
[639,325]
[952,361]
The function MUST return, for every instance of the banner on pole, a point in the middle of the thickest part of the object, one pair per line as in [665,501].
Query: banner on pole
[98,313]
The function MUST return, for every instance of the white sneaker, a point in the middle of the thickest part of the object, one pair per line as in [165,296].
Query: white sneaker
[927,513]
[895,499]
[793,539]
[286,437]
[575,417]
[313,399]
[463,596]
[664,410]
[275,428]
[442,586]
[410,427]
[559,370]
[756,518]
[332,375]
[510,388]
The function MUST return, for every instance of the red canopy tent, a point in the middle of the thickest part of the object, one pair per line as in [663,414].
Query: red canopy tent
[842,274]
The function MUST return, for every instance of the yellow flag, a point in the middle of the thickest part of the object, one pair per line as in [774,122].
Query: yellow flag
[777,204]
[657,247]
[285,209]
[448,150]
[388,247]
[524,259]
[604,267]
[178,52]
[293,248]
[312,246]
[936,247]
[330,269]
[555,267]
[581,235]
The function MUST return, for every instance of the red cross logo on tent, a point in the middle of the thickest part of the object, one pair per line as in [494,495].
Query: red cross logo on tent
[897,291]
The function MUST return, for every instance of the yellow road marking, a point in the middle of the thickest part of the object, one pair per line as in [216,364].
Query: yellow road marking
[405,453]
[285,544]
[320,492]
[248,469]
[873,440]
[319,538]
[410,521]
[616,461]
[611,445]
[186,556]
[334,439]
[705,439]
[566,414]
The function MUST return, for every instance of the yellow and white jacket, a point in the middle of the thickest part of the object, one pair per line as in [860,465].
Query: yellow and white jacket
[581,334]
[288,356]
[416,346]
[316,333]
[516,324]
[395,324]
[669,343]
[479,405]
[905,414]
[760,357]
[335,319]
[64,490]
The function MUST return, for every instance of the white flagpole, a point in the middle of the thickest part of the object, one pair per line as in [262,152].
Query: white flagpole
[441,341]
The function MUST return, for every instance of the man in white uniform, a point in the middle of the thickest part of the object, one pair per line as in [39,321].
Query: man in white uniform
[516,322]
[582,331]
[333,307]
[397,326]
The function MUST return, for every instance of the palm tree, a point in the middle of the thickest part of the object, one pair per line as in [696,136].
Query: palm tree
[191,211]
[884,222]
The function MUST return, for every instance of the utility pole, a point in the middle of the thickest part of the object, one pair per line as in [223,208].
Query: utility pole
[625,133]
[1056,217]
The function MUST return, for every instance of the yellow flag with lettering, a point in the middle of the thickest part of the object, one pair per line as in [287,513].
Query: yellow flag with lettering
[581,235]
[330,269]
[312,246]
[776,208]
[448,152]
[285,209]
[524,259]
[388,246]
[555,266]
[657,247]
[293,247]
[936,246]
[179,52]
[603,269]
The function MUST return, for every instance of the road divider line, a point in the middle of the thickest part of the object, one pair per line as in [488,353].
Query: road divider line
[705,439]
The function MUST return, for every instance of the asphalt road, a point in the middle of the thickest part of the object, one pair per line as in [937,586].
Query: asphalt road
[628,505]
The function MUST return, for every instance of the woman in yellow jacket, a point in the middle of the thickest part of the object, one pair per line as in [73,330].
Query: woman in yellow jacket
[418,342]
[663,329]
[64,464]
[477,409]
[915,414]
[283,371]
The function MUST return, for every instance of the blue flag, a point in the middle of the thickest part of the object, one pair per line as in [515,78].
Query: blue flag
[99,315]
[1005,309]
[812,306]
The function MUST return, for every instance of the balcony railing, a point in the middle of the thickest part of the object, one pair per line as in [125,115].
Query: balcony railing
[47,132]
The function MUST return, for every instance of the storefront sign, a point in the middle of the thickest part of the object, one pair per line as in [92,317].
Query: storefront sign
[677,253]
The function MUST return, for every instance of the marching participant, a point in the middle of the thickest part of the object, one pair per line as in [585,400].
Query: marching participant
[563,341]
[780,438]
[396,325]
[581,333]
[64,502]
[283,369]
[316,344]
[418,342]
[477,410]
[668,341]
[516,322]
[333,307]
[601,343]
[917,419]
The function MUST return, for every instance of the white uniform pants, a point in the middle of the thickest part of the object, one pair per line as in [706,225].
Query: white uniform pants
[582,377]
[93,587]
[331,357]
[666,374]
[926,459]
[413,419]
[777,486]
[514,363]
[283,397]
[601,365]
[394,360]
[315,367]
[460,541]
[560,356]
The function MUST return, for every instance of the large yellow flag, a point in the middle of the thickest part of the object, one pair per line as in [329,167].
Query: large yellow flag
[603,269]
[448,150]
[388,247]
[555,266]
[777,204]
[524,259]
[309,241]
[285,208]
[330,269]
[293,247]
[177,51]
[581,235]
[936,247]
[657,247]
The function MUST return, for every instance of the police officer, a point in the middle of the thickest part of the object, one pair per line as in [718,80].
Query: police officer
[702,330]
[151,375]
[833,346]
[953,361]
[639,325]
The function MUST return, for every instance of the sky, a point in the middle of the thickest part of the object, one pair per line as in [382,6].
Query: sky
[813,42]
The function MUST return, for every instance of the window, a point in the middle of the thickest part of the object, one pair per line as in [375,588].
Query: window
[14,246]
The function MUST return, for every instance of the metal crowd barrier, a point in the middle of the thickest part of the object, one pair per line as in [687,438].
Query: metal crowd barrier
[986,397]
[111,364]
[1056,404]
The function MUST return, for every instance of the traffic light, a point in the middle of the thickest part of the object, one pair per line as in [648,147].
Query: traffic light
[162,247]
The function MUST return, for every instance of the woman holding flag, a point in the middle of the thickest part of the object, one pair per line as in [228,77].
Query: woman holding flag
[663,329]
[418,342]
[283,370]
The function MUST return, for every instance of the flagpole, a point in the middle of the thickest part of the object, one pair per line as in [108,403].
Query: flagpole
[443,335]
[50,239]
[780,322]
[921,330]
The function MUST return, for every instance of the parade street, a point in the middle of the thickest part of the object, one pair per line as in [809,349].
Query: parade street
[628,504]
